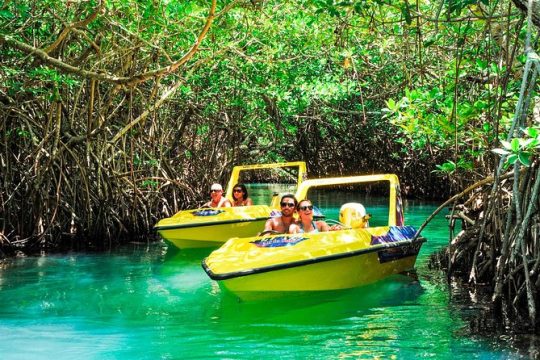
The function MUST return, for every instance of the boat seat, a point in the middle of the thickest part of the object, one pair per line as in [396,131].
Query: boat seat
[354,215]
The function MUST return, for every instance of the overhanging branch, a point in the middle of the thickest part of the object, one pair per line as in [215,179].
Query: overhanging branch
[126,81]
[523,5]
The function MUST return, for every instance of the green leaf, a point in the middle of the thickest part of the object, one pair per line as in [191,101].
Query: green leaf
[467,165]
[525,158]
[447,167]
[514,145]
[391,104]
[358,7]
[532,132]
[6,14]
[481,64]
[406,12]
[534,143]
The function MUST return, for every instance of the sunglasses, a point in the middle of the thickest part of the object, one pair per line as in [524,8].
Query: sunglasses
[287,204]
[306,207]
[237,190]
[214,191]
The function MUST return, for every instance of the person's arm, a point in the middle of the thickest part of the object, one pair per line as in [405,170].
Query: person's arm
[336,227]
[323,226]
[294,229]
[269,225]
[226,203]
[249,202]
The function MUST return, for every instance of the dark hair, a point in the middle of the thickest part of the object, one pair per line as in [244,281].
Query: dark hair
[291,196]
[298,205]
[244,191]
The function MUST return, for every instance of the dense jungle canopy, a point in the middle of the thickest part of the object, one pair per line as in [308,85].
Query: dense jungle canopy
[117,113]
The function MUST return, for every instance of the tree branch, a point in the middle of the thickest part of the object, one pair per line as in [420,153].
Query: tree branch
[523,5]
[126,81]
[75,25]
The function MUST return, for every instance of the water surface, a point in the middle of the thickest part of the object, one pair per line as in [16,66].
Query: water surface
[144,302]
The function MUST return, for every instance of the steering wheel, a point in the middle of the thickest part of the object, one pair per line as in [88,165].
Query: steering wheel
[269,232]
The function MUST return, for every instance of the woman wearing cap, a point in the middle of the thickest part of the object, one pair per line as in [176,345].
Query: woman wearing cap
[305,223]
[240,196]
[218,200]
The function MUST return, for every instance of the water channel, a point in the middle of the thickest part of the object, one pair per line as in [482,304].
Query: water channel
[144,301]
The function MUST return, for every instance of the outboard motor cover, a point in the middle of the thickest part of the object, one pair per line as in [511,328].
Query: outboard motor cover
[354,215]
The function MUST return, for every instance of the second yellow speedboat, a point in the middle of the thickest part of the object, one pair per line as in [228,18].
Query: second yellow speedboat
[207,227]
[211,227]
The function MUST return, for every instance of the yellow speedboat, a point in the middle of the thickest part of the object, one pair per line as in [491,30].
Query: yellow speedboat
[353,256]
[211,227]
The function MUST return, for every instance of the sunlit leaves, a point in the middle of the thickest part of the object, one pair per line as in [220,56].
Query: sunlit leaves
[455,7]
[332,7]
[422,115]
[6,15]
[520,149]
[269,70]
[406,12]
[449,167]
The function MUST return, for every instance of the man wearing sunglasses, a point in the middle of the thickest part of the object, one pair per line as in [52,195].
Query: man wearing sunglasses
[218,200]
[281,223]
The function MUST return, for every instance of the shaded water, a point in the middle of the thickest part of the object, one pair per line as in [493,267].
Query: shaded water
[142,302]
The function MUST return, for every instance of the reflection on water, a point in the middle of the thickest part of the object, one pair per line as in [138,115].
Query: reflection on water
[149,303]
[314,308]
[262,194]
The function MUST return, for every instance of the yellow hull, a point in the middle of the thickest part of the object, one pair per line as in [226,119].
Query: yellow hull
[210,235]
[332,275]
[312,262]
[201,228]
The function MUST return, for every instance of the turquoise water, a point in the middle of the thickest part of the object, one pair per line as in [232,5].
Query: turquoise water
[144,302]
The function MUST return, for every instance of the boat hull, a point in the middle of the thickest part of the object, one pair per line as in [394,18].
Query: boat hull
[202,228]
[207,236]
[336,260]
[360,270]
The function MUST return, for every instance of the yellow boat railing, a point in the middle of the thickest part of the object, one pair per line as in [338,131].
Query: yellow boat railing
[235,175]
[395,212]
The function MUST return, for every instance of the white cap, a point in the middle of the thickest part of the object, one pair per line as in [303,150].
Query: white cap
[216,187]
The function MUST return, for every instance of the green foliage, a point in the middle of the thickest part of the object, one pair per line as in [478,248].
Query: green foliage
[144,160]
[278,80]
[152,184]
[349,86]
[450,167]
[455,7]
[424,116]
[521,149]
[18,132]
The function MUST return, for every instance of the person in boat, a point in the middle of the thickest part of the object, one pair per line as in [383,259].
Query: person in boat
[282,223]
[240,196]
[305,223]
[218,200]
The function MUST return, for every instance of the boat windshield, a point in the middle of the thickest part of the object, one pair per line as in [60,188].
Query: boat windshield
[378,194]
[266,182]
[374,200]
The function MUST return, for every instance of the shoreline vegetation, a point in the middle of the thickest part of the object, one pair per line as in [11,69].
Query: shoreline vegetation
[116,115]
